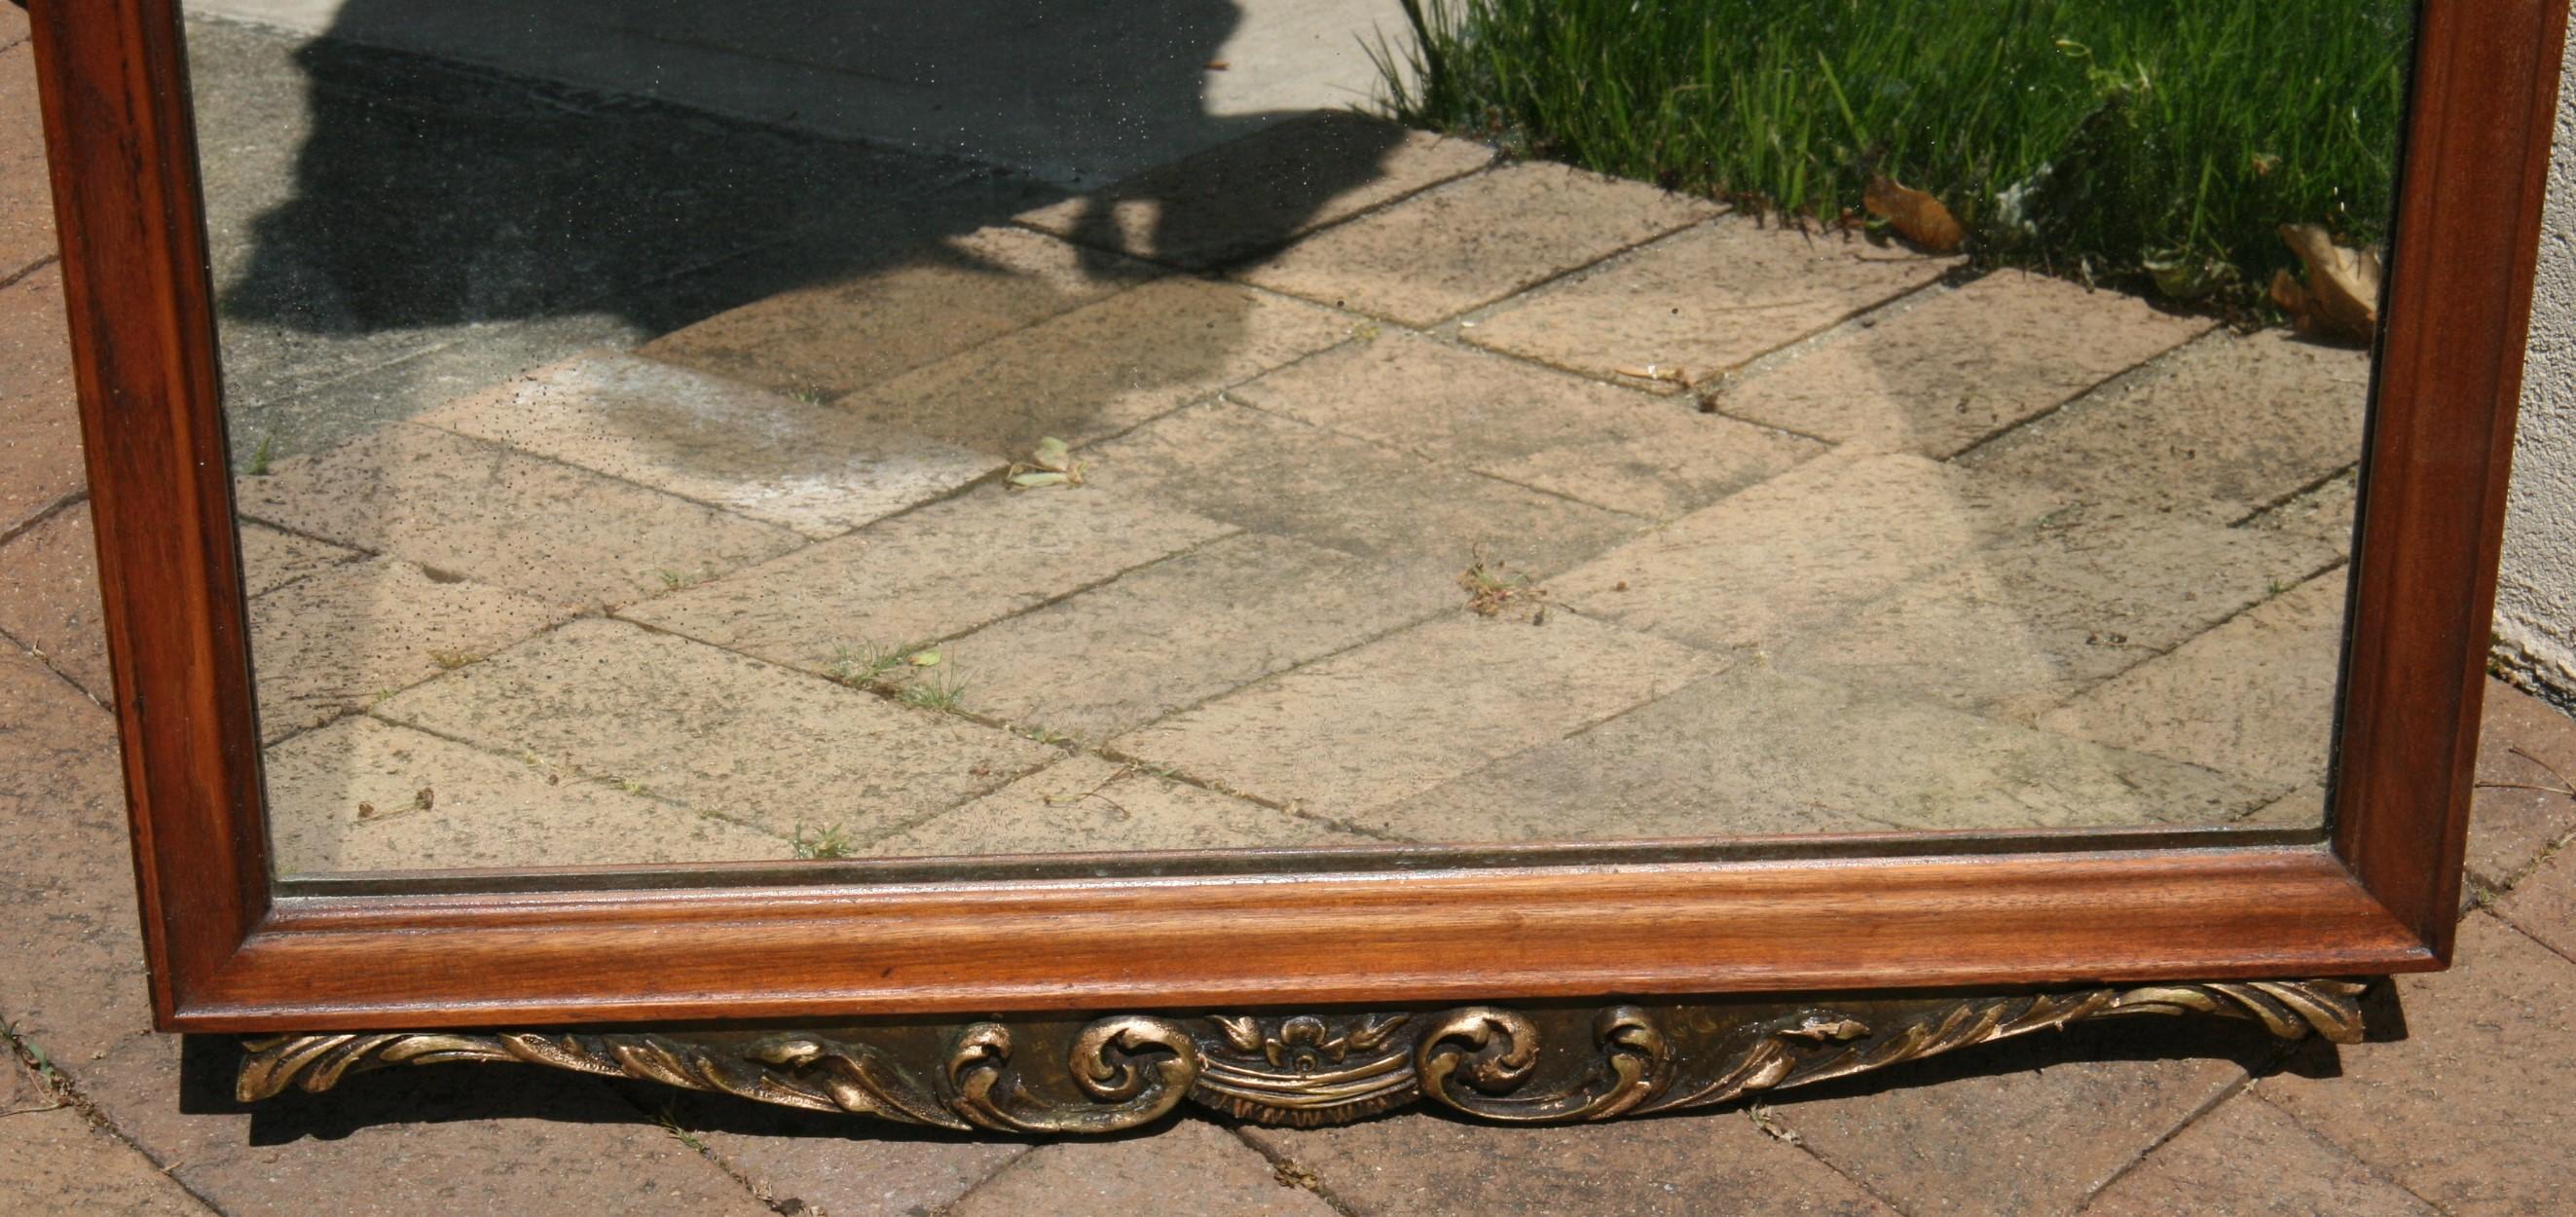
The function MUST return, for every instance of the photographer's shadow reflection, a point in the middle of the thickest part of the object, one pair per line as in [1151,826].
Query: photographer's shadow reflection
[504,188]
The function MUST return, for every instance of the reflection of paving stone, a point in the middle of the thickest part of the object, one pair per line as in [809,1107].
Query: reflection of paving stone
[1261,191]
[1190,627]
[367,206]
[2254,696]
[347,798]
[1405,713]
[2022,626]
[833,337]
[808,467]
[2221,429]
[1959,366]
[1084,804]
[1603,445]
[456,504]
[1418,520]
[1810,543]
[49,597]
[272,558]
[1099,370]
[1474,241]
[1754,751]
[326,645]
[716,732]
[1703,300]
[2326,511]
[927,574]
[2304,807]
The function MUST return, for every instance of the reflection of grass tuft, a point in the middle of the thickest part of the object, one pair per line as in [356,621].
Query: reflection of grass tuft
[2140,141]
[830,841]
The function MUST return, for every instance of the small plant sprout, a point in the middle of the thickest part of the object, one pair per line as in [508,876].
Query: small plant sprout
[1492,587]
[868,665]
[678,580]
[831,841]
[1052,464]
[669,1119]
[934,689]
[260,456]
[449,661]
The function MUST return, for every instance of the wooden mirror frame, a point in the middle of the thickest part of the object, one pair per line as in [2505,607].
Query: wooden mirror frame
[1830,953]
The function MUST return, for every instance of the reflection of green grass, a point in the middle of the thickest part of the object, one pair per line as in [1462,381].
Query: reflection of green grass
[2101,138]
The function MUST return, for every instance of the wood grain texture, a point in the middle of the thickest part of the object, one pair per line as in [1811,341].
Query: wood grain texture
[803,952]
[1906,913]
[121,143]
[2448,381]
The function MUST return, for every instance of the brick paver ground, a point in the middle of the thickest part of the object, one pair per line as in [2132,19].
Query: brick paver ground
[458,623]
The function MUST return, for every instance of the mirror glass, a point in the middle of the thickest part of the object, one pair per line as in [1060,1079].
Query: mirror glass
[672,433]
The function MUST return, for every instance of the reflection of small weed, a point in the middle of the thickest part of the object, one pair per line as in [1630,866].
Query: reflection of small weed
[808,394]
[34,1054]
[261,455]
[867,665]
[1491,588]
[451,660]
[938,689]
[828,842]
[678,580]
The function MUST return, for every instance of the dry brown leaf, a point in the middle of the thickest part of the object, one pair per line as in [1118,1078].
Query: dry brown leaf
[2340,298]
[1916,216]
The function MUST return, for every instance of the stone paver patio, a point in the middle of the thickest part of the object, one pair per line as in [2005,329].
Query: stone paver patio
[2468,1116]
[1793,533]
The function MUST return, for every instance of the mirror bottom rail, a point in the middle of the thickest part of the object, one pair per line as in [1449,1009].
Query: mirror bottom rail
[1560,1064]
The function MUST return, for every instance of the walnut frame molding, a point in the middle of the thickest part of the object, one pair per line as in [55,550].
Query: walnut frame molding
[1417,930]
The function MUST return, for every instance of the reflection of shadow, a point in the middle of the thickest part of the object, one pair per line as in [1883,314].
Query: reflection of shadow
[432,200]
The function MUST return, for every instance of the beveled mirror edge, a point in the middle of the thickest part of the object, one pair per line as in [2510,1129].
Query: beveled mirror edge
[227,955]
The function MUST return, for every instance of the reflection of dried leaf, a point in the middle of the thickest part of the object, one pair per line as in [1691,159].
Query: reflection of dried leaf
[1916,216]
[1052,464]
[2341,296]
